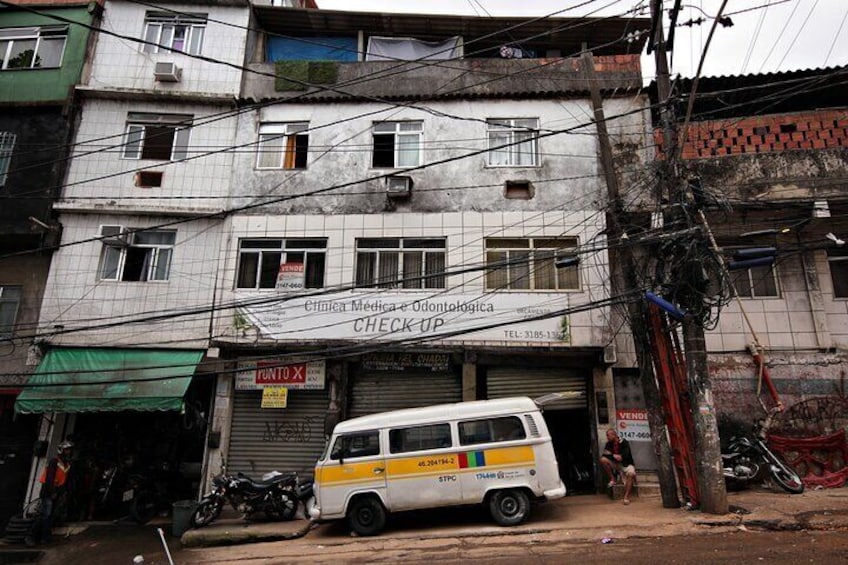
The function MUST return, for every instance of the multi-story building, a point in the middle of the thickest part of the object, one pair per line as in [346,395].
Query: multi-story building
[418,217]
[127,300]
[768,153]
[42,56]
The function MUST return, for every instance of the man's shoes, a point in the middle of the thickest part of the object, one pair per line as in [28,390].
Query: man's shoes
[611,483]
[626,501]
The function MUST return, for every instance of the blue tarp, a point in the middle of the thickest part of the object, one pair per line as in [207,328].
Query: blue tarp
[312,49]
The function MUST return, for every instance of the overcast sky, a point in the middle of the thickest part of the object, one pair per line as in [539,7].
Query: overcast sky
[785,36]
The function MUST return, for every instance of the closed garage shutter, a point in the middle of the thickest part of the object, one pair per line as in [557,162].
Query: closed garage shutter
[380,392]
[504,382]
[270,439]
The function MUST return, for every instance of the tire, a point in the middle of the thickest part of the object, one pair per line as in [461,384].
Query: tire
[509,507]
[366,516]
[786,478]
[285,506]
[206,512]
[143,507]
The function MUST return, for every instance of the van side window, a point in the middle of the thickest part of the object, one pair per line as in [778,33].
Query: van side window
[419,438]
[491,430]
[362,444]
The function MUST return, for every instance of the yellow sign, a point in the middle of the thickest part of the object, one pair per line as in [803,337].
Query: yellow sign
[275,397]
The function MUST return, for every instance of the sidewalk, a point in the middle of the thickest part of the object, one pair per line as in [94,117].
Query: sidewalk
[581,517]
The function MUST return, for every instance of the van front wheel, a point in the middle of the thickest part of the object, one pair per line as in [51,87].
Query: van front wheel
[509,507]
[366,516]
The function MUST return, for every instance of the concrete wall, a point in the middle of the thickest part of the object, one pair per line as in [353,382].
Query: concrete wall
[76,300]
[119,63]
[569,174]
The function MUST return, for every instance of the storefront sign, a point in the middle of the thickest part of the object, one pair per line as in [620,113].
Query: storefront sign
[632,424]
[275,397]
[399,362]
[390,316]
[257,375]
[290,276]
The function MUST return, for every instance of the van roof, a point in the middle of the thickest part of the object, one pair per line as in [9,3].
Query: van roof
[439,412]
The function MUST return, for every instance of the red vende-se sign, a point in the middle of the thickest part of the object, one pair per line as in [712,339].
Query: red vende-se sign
[270,373]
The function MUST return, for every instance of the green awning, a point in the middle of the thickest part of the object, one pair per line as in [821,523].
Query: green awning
[109,380]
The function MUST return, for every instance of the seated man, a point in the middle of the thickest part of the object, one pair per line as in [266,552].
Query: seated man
[616,459]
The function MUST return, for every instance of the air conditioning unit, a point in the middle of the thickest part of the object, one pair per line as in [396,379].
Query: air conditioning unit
[398,186]
[610,357]
[114,235]
[167,72]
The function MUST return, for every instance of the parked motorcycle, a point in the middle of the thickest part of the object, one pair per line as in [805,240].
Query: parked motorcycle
[277,495]
[749,460]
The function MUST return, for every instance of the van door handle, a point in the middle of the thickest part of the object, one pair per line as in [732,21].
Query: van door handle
[378,470]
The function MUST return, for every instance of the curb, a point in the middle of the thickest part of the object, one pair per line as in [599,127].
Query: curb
[198,538]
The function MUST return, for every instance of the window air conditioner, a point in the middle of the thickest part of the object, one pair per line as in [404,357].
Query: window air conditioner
[398,186]
[167,72]
[114,235]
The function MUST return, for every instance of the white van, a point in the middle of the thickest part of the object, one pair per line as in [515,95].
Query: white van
[494,452]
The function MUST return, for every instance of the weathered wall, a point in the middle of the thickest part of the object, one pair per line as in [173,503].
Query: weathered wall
[569,174]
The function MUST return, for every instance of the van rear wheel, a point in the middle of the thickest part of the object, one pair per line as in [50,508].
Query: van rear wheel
[366,516]
[509,507]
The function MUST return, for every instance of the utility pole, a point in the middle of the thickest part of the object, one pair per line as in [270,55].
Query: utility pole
[707,447]
[624,279]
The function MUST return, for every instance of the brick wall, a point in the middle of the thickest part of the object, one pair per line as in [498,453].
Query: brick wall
[779,132]
[612,63]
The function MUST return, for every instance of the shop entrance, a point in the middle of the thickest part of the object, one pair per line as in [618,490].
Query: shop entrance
[568,420]
[17,437]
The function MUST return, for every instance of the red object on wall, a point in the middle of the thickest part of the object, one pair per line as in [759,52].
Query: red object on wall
[821,461]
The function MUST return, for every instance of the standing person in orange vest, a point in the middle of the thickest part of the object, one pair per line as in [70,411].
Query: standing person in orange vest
[53,480]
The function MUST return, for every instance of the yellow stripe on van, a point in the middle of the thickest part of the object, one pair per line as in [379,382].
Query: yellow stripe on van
[348,472]
[510,456]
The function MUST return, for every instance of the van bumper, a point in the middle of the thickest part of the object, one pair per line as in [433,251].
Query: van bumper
[553,494]
[313,511]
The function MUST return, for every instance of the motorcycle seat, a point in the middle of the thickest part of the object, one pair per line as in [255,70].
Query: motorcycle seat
[265,483]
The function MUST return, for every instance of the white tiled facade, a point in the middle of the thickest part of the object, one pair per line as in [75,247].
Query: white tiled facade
[120,63]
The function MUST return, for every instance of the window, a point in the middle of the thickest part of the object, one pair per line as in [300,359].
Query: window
[400,263]
[837,260]
[137,256]
[162,137]
[528,264]
[174,32]
[397,144]
[281,263]
[365,444]
[7,144]
[513,142]
[10,298]
[757,282]
[491,430]
[32,47]
[282,146]
[421,438]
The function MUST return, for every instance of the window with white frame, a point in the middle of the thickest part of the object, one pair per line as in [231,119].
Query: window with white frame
[32,47]
[513,142]
[162,137]
[136,255]
[397,144]
[10,300]
[169,32]
[282,146]
[400,262]
[529,264]
[281,263]
[837,260]
[7,145]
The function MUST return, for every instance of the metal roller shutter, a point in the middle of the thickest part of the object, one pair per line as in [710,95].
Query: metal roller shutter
[503,382]
[288,439]
[380,392]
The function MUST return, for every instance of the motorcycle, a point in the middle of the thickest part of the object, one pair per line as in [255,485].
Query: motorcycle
[277,495]
[749,460]
[152,491]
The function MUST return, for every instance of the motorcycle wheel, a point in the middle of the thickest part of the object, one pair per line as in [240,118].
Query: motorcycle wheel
[143,507]
[206,512]
[284,506]
[787,478]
